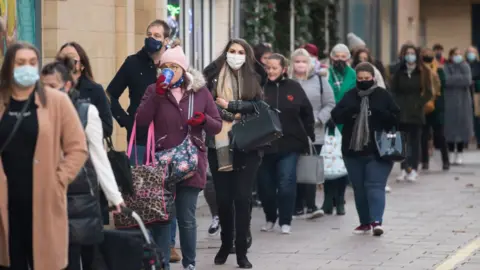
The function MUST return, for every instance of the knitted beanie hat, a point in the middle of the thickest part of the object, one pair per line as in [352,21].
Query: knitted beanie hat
[311,49]
[355,41]
[340,48]
[176,56]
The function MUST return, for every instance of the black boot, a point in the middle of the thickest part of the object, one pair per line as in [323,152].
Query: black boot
[327,198]
[340,198]
[225,248]
[241,251]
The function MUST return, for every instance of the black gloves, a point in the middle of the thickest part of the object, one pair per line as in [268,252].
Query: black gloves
[330,125]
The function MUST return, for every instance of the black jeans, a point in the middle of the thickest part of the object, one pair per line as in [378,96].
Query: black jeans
[306,193]
[80,257]
[20,238]
[459,146]
[413,136]
[210,196]
[438,141]
[234,194]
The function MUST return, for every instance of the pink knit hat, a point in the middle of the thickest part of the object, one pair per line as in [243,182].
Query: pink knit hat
[176,56]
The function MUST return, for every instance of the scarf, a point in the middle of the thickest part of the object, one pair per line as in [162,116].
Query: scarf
[228,88]
[341,82]
[361,131]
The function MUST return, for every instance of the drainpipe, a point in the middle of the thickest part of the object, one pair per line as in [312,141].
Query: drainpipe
[394,31]
[292,25]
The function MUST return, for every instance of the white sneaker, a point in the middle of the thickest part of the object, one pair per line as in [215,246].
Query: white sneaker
[412,176]
[459,159]
[388,189]
[452,157]
[190,267]
[267,227]
[401,177]
[286,229]
[214,228]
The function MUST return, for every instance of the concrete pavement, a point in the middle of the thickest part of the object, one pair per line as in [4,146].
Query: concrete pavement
[433,224]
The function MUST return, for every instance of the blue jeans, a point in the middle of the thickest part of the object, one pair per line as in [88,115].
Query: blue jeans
[368,175]
[140,155]
[277,178]
[173,231]
[161,236]
[185,208]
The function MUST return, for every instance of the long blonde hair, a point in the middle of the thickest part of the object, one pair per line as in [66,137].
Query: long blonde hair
[296,53]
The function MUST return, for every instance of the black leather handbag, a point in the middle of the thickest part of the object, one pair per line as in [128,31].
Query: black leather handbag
[258,129]
[391,145]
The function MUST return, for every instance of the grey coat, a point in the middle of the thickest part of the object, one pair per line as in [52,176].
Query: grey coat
[458,103]
[322,104]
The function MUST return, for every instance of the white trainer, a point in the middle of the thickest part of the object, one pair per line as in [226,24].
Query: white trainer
[268,227]
[412,176]
[286,229]
[402,176]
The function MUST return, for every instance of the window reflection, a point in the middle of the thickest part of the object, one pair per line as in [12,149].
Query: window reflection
[173,18]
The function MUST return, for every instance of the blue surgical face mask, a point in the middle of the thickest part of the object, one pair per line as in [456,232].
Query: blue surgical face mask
[457,59]
[410,58]
[313,60]
[152,45]
[26,75]
[471,56]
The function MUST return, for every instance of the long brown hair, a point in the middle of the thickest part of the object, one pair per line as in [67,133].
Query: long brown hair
[251,86]
[6,73]
[425,73]
[84,60]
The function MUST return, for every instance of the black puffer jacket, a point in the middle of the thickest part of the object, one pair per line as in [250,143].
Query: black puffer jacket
[84,216]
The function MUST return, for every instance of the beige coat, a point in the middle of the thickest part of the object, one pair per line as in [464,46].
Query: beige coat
[60,131]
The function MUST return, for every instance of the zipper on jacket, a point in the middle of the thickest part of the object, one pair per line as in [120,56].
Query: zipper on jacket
[89,182]
[278,90]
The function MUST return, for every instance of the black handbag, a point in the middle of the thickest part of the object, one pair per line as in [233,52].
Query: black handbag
[121,168]
[391,145]
[258,129]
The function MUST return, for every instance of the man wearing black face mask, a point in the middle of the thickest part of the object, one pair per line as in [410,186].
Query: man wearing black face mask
[137,73]
[438,50]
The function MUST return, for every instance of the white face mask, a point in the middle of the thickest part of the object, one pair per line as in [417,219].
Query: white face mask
[235,61]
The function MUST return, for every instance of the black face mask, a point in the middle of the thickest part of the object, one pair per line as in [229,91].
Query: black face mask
[365,85]
[427,59]
[438,56]
[339,65]
[152,45]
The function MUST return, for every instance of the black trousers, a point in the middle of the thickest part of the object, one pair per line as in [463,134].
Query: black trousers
[234,194]
[80,257]
[438,141]
[413,135]
[20,237]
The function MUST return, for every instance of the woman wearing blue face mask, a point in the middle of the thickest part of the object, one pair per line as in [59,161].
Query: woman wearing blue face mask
[472,56]
[42,148]
[411,87]
[458,105]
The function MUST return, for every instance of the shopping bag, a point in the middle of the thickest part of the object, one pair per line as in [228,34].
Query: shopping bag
[152,198]
[333,165]
[391,145]
[310,167]
[181,161]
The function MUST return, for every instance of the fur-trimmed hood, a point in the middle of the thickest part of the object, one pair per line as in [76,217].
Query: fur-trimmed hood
[195,77]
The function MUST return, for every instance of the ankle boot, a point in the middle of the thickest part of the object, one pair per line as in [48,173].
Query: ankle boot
[244,263]
[327,206]
[222,255]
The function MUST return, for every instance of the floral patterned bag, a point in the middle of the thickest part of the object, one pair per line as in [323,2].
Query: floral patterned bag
[181,162]
[152,198]
[334,167]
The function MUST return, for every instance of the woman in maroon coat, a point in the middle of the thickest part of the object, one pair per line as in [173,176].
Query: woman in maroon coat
[166,104]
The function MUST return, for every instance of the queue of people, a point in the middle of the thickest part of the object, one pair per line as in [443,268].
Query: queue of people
[58,116]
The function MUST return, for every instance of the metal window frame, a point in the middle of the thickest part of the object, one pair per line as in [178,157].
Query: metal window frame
[394,31]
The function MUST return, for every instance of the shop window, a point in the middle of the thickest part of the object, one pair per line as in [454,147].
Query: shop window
[173,18]
[18,21]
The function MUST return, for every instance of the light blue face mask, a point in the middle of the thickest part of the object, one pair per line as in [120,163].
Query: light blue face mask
[411,58]
[471,56]
[26,75]
[314,61]
[457,59]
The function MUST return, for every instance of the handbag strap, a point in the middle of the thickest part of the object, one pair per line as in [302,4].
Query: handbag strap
[150,144]
[17,125]
[190,108]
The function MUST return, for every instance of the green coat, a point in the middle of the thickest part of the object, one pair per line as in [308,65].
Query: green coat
[348,81]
